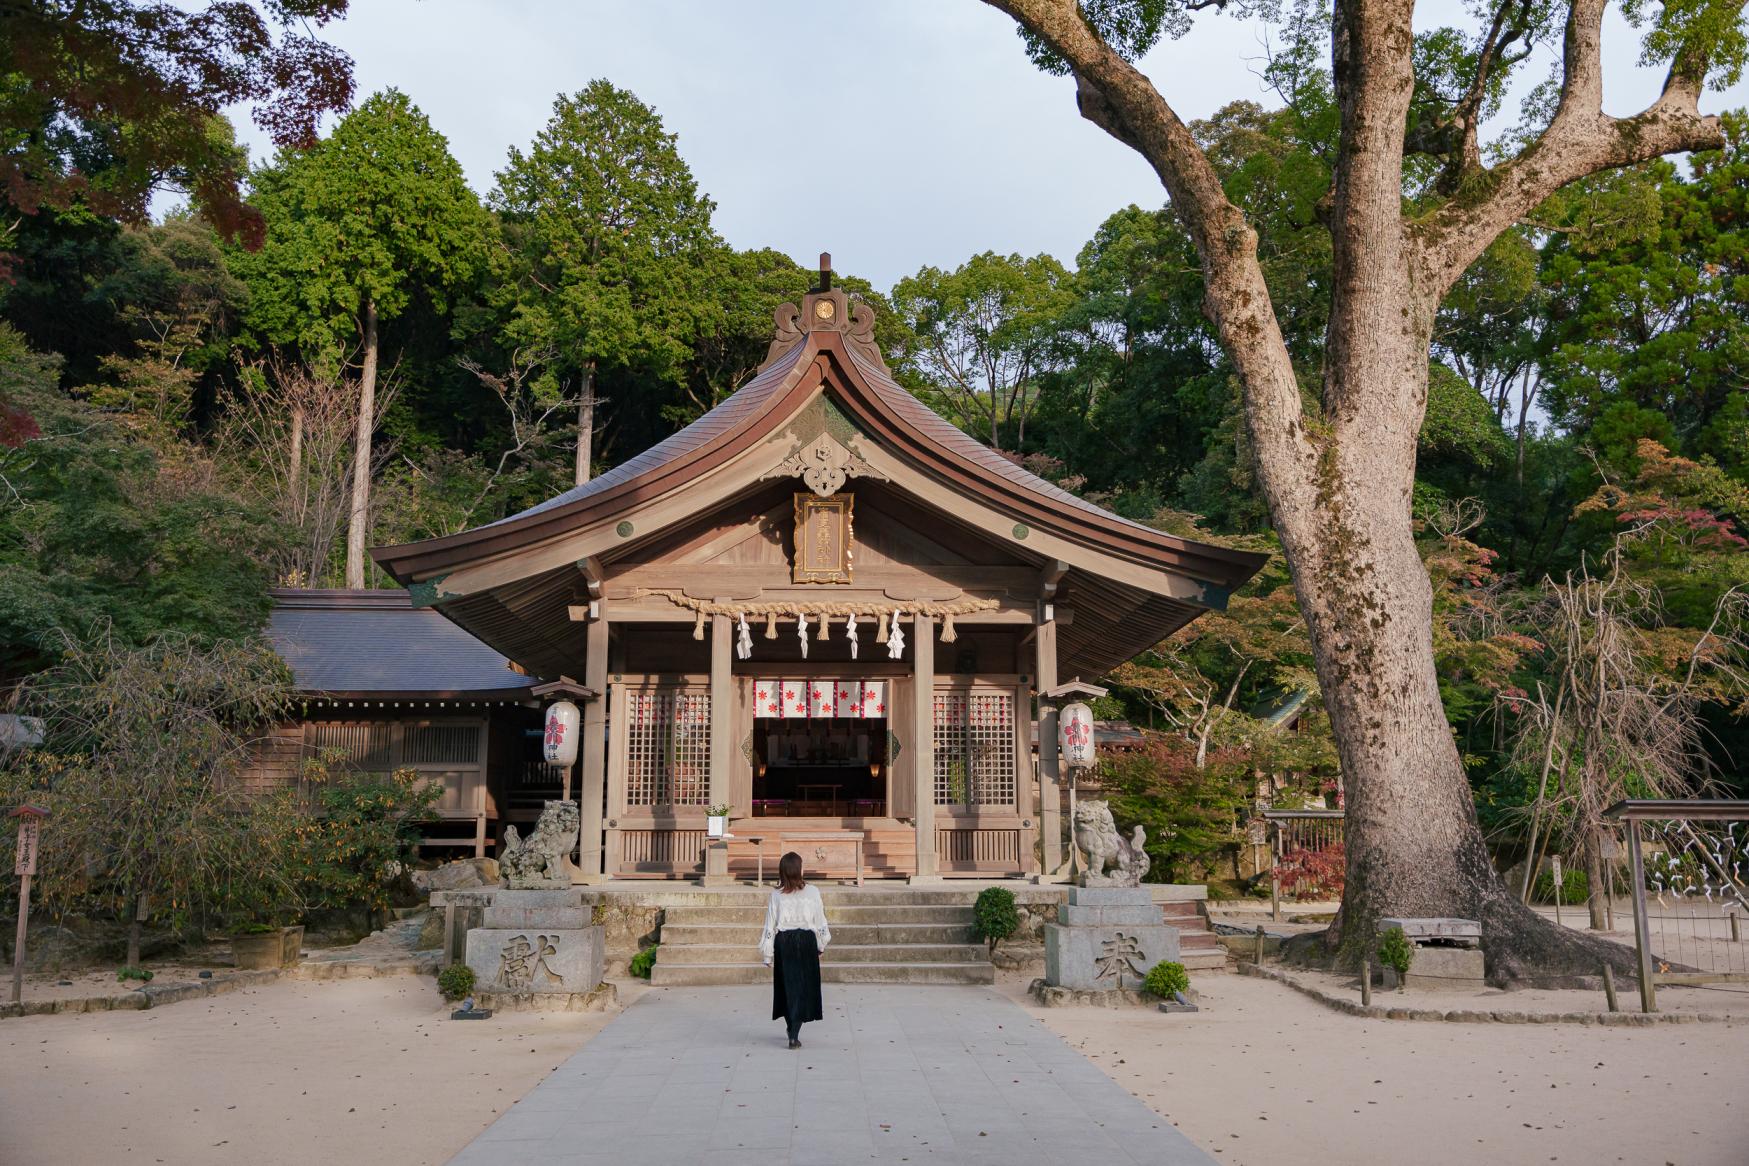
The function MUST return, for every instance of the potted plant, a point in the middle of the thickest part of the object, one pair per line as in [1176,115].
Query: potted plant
[256,946]
[717,820]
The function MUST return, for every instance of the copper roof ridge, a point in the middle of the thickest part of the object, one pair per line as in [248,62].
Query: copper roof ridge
[340,598]
[744,418]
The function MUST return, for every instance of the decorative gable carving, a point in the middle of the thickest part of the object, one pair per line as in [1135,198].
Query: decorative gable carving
[821,450]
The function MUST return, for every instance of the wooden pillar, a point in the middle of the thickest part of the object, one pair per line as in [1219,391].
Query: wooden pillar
[592,757]
[722,709]
[1050,767]
[923,749]
[1642,925]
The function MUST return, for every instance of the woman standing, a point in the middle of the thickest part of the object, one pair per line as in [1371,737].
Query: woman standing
[795,935]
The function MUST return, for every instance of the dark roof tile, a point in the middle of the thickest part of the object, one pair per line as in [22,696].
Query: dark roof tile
[378,642]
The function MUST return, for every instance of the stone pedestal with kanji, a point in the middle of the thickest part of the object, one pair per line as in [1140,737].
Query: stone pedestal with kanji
[1107,938]
[537,942]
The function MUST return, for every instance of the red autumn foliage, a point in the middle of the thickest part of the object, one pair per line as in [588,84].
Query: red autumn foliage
[1313,874]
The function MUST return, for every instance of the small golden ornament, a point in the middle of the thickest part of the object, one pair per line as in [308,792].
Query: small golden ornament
[824,309]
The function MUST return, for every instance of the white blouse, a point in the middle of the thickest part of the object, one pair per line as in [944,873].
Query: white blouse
[798,909]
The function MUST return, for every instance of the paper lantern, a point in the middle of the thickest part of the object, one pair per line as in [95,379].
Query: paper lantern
[1075,730]
[560,744]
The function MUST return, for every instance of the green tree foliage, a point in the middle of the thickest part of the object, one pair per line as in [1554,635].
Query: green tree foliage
[364,829]
[139,771]
[1657,317]
[982,335]
[377,213]
[361,226]
[607,241]
[1188,807]
[103,526]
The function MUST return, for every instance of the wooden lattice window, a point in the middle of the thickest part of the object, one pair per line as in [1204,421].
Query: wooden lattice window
[365,746]
[668,748]
[974,749]
[441,745]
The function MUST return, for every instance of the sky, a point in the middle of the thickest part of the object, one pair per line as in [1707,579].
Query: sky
[893,133]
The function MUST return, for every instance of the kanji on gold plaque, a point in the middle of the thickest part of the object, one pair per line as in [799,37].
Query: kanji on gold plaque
[824,539]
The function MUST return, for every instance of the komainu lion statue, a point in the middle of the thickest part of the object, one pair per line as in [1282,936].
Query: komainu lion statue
[542,861]
[1096,833]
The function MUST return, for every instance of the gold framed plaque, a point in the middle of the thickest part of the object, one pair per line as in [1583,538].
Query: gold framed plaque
[824,539]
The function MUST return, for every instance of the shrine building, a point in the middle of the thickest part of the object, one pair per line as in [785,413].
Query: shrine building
[826,607]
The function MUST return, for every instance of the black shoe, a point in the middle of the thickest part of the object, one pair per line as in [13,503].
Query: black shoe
[794,1043]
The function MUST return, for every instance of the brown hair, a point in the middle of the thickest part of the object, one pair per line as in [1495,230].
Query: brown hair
[789,872]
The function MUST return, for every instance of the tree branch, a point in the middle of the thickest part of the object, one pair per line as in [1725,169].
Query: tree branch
[1580,140]
[1119,99]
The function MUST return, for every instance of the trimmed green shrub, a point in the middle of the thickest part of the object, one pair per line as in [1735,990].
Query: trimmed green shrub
[455,981]
[1166,978]
[1396,952]
[643,962]
[140,974]
[1575,887]
[995,916]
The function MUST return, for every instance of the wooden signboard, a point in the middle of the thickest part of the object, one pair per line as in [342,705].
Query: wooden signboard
[29,832]
[824,539]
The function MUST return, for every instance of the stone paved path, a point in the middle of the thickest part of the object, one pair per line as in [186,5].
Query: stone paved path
[893,1074]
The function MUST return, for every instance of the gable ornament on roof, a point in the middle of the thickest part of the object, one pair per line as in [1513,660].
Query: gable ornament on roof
[825,309]
[823,465]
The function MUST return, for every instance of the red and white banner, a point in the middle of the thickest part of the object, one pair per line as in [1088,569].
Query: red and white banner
[820,697]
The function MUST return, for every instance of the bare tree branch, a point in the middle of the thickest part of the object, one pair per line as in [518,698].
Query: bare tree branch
[1580,140]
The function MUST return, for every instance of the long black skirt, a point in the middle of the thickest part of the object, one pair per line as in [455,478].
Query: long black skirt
[795,977]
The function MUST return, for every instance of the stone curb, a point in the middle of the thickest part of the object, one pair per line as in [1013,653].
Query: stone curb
[148,996]
[1478,1016]
[157,995]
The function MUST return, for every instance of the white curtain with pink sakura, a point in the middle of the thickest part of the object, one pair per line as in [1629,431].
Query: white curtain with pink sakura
[820,697]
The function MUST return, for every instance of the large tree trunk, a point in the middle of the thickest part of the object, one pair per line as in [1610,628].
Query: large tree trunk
[1339,479]
[358,525]
[585,423]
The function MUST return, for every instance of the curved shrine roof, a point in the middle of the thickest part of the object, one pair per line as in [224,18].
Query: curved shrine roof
[840,357]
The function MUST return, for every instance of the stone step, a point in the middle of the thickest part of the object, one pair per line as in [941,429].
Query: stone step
[851,934]
[835,913]
[1203,961]
[883,953]
[676,975]
[1198,941]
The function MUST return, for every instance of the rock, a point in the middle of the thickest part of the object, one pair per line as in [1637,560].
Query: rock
[430,932]
[461,875]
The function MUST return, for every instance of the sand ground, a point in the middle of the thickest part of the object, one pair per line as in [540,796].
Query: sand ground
[373,1071]
[1265,1076]
[368,1070]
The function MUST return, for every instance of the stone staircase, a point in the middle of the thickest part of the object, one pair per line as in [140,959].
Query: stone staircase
[878,937]
[1198,949]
